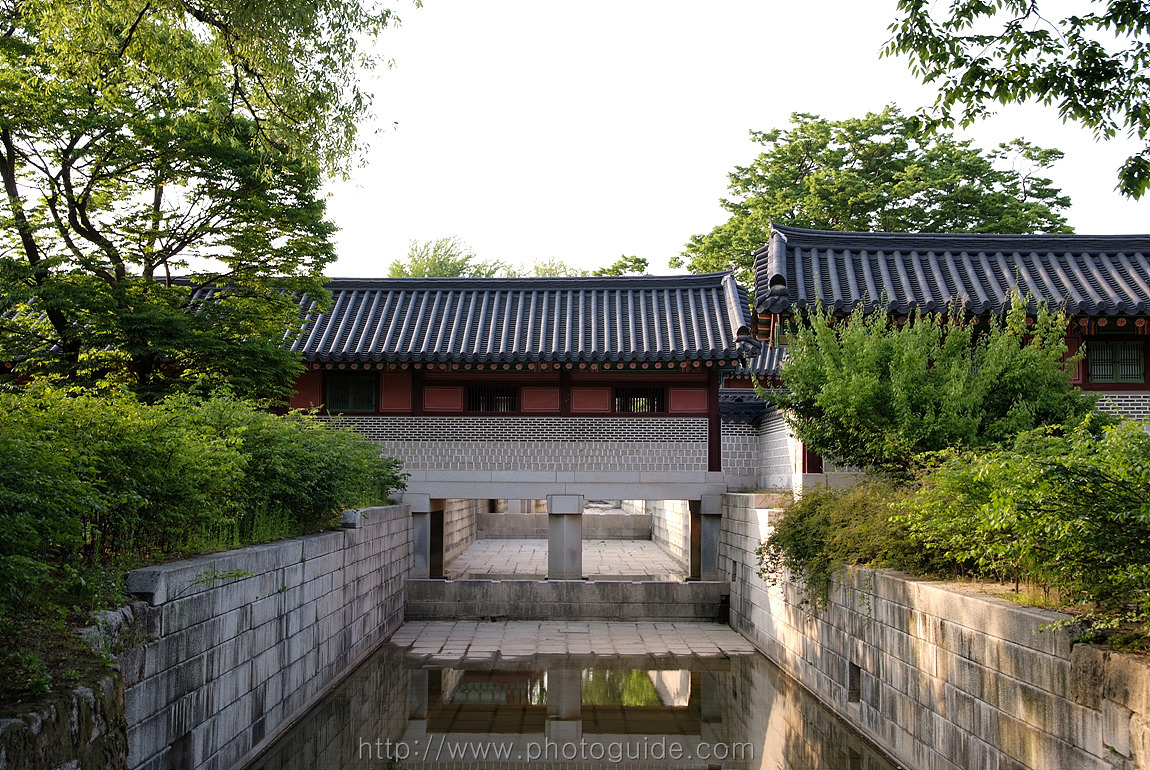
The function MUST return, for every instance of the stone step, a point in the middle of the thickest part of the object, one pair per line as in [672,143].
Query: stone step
[566,600]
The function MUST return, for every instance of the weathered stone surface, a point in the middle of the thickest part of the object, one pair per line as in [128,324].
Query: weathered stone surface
[243,640]
[82,729]
[949,678]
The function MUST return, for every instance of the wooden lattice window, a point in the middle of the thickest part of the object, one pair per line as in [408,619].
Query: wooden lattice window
[351,392]
[639,400]
[493,399]
[1116,361]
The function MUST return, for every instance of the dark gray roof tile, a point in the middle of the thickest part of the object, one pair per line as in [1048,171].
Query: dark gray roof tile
[661,318]
[1088,275]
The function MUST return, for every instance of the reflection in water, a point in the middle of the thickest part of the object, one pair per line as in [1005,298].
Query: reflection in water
[740,712]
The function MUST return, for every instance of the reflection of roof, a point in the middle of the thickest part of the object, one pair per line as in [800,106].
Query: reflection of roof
[664,318]
[898,272]
[766,363]
[742,405]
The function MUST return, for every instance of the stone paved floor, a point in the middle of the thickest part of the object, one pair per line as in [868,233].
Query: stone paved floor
[446,642]
[633,559]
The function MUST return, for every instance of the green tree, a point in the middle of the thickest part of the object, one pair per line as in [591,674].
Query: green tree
[876,173]
[625,265]
[869,392]
[141,140]
[443,258]
[1090,63]
[1063,510]
[546,267]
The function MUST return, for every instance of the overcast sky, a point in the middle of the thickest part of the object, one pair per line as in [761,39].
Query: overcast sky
[583,131]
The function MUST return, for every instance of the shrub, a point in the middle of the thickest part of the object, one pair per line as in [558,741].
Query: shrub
[1067,511]
[867,392]
[827,529]
[91,485]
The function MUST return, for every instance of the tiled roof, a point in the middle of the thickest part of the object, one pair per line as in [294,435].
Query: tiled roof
[766,363]
[897,272]
[742,405]
[664,318]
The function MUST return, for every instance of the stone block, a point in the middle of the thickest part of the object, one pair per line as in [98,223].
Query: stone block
[1088,674]
[1127,681]
[1116,725]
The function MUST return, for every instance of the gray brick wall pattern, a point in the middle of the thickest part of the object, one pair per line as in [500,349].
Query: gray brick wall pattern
[538,443]
[1132,406]
[741,453]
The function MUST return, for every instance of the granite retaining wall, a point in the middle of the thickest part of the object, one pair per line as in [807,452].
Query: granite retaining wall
[941,678]
[244,641]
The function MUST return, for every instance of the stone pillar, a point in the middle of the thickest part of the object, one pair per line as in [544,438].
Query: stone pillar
[564,704]
[435,551]
[564,537]
[710,706]
[421,534]
[712,520]
[427,535]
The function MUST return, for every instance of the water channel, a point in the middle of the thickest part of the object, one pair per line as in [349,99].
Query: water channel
[404,709]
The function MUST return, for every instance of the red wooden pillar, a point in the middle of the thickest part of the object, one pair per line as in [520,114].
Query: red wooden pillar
[714,424]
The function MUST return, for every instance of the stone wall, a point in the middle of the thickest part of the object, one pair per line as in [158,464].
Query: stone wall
[596,526]
[776,453]
[371,704]
[245,640]
[539,443]
[670,525]
[82,729]
[938,677]
[564,600]
[740,455]
[460,526]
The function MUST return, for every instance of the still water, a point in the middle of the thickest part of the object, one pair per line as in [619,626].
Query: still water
[571,712]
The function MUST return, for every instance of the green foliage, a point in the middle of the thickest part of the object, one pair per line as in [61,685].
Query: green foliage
[1067,511]
[141,140]
[1090,63]
[91,484]
[870,392]
[451,258]
[877,173]
[625,265]
[443,258]
[827,529]
[607,687]
[547,267]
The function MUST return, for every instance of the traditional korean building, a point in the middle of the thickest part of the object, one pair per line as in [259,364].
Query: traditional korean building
[1102,283]
[521,388]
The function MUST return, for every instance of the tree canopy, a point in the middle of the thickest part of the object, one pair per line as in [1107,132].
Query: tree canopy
[443,258]
[1090,63]
[144,141]
[877,173]
[452,258]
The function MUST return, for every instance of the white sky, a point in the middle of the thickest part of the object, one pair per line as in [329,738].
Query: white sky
[583,131]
